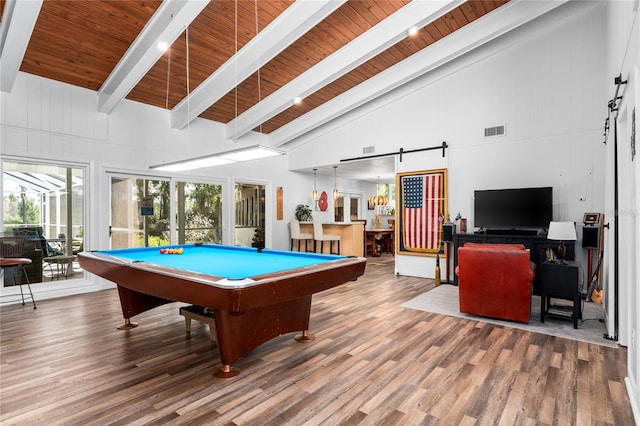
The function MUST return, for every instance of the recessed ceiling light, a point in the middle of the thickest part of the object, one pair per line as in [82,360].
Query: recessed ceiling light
[297,100]
[413,31]
[162,45]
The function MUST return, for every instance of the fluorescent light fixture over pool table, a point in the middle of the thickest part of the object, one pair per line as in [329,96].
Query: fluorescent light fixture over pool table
[243,154]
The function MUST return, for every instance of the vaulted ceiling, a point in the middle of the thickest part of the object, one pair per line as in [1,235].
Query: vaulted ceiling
[243,62]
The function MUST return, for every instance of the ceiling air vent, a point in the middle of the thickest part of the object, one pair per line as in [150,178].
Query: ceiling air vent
[493,131]
[368,150]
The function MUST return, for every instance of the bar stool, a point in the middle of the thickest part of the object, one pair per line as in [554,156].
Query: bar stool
[296,234]
[319,235]
[10,249]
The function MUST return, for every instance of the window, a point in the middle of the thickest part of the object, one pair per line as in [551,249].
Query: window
[199,213]
[44,203]
[346,207]
[141,211]
[250,214]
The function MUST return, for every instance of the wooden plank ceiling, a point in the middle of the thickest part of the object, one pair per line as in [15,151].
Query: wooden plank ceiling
[80,42]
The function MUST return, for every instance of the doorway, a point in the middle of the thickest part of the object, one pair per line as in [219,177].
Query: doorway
[44,204]
[347,207]
[250,200]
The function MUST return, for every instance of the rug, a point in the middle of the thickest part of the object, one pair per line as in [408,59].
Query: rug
[444,300]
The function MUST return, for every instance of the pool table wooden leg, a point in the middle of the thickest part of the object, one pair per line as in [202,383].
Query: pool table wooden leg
[134,303]
[127,325]
[226,372]
[305,337]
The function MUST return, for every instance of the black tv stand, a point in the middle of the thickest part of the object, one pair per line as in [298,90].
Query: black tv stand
[507,231]
[537,244]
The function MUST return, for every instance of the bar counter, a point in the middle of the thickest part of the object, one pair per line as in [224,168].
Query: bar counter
[351,236]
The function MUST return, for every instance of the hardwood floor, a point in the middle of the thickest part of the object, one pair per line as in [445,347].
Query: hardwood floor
[372,362]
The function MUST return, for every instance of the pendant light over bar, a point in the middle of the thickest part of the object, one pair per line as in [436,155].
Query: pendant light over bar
[314,193]
[335,184]
[255,152]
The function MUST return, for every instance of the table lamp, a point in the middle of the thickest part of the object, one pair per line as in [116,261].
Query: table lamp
[562,231]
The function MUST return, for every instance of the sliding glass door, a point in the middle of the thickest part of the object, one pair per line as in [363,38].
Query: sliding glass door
[139,212]
[199,213]
[44,204]
[142,208]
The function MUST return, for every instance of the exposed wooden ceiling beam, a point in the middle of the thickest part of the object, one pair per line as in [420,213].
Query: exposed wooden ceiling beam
[297,19]
[479,32]
[169,21]
[377,39]
[18,20]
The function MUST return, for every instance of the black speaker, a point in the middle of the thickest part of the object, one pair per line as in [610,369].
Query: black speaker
[448,229]
[590,237]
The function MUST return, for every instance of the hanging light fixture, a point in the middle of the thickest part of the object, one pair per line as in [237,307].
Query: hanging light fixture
[246,153]
[335,184]
[378,200]
[314,193]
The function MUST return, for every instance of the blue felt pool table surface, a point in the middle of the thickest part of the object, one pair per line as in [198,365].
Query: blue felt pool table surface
[230,262]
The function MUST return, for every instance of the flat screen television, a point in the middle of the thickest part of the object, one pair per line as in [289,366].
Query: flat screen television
[518,208]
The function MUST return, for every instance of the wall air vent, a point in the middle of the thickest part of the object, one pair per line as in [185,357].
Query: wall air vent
[493,131]
[368,150]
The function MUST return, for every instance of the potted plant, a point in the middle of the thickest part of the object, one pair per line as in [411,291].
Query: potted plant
[303,213]
[258,238]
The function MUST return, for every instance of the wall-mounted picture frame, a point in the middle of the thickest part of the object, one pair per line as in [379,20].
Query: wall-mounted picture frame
[591,218]
[386,210]
[279,204]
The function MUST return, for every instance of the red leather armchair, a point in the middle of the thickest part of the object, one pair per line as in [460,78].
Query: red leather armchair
[495,280]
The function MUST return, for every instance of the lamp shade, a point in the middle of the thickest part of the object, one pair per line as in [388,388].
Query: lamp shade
[378,200]
[562,231]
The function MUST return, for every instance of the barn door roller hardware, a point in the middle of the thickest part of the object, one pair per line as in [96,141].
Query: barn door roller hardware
[443,147]
[613,105]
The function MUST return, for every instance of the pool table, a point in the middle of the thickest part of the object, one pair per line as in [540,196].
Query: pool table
[255,295]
